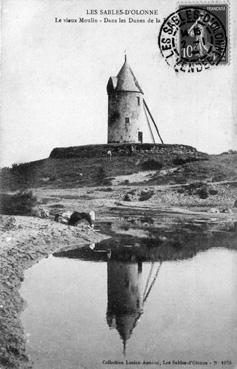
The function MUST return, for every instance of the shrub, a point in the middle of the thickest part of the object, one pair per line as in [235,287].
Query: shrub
[52,178]
[23,174]
[108,189]
[212,191]
[20,203]
[126,182]
[203,192]
[101,177]
[180,160]
[218,177]
[152,164]
[147,219]
[146,195]
[127,197]
[5,170]
[19,169]
[101,174]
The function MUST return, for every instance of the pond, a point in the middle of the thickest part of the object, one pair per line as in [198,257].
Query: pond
[98,308]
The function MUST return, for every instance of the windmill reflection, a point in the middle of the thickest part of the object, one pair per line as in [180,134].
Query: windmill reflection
[127,291]
[128,285]
[126,297]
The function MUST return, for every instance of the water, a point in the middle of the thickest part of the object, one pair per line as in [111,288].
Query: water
[95,314]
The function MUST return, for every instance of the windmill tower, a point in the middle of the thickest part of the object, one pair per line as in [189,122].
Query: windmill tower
[129,118]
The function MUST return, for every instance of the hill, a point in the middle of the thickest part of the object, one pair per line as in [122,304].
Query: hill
[148,175]
[92,166]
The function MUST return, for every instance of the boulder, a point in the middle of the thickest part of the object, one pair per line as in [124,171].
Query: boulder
[66,216]
[40,212]
[214,210]
[227,210]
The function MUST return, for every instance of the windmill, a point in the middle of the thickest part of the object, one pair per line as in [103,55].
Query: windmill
[128,111]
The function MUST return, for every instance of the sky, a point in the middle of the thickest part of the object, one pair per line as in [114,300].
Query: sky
[54,78]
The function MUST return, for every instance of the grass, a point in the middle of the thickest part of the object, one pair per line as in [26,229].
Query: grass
[97,171]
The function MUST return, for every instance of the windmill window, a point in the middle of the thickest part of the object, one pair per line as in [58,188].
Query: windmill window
[138,100]
[126,120]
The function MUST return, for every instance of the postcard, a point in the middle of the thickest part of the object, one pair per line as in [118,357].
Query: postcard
[118,201]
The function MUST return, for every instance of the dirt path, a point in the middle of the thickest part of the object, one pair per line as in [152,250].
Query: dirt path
[24,241]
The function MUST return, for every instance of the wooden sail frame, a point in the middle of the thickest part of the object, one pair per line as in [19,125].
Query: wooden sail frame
[152,119]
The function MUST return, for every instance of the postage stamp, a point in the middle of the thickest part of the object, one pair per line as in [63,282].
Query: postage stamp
[194,38]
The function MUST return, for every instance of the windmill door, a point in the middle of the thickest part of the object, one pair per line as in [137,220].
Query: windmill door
[140,136]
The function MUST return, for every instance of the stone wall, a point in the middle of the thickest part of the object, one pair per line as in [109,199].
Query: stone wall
[160,150]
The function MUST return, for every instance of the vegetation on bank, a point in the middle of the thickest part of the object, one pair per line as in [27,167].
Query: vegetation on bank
[19,203]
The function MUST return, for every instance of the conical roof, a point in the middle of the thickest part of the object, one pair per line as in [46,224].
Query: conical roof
[124,324]
[126,81]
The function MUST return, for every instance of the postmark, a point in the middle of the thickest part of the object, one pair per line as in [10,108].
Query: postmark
[193,39]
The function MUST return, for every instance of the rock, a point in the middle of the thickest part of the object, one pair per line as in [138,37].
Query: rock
[235,204]
[79,217]
[92,215]
[67,214]
[227,210]
[214,210]
[44,213]
[64,218]
[163,238]
[40,212]
[45,179]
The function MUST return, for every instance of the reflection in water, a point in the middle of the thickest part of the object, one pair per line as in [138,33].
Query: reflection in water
[125,301]
[125,294]
[126,297]
[158,309]
[127,288]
